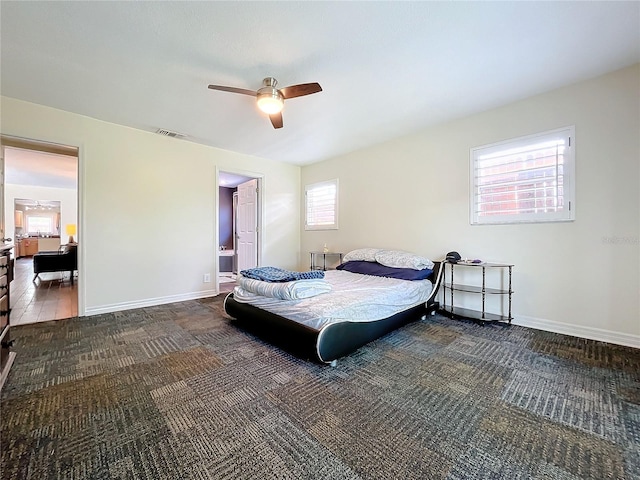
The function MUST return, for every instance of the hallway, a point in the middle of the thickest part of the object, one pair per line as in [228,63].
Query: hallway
[50,297]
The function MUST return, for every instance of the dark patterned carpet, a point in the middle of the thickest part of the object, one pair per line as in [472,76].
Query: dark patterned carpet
[178,392]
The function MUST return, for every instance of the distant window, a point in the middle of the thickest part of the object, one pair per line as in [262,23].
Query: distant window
[526,179]
[37,224]
[321,206]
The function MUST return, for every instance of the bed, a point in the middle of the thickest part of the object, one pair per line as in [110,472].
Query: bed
[334,324]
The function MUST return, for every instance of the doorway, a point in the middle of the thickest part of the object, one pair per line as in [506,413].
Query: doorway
[40,209]
[238,226]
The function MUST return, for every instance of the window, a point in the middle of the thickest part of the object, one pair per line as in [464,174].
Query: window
[526,179]
[38,224]
[321,206]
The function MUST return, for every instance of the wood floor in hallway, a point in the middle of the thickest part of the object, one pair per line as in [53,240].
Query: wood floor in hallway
[50,297]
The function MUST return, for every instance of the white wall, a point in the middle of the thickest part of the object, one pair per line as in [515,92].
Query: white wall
[147,207]
[68,199]
[581,277]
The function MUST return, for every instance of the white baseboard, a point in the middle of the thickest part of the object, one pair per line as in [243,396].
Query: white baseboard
[626,339]
[149,302]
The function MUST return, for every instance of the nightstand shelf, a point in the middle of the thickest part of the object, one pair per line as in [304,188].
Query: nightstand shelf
[316,264]
[452,290]
[455,312]
[476,289]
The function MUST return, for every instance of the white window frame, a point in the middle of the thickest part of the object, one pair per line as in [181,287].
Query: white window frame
[49,219]
[564,214]
[315,186]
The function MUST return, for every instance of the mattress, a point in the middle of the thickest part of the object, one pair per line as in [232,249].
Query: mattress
[353,297]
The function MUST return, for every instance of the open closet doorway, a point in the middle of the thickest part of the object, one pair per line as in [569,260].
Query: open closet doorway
[41,215]
[238,226]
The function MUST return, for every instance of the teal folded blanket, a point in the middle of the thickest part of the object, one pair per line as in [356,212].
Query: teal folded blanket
[274,274]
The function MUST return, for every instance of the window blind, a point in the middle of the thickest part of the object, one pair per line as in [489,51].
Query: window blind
[521,180]
[321,205]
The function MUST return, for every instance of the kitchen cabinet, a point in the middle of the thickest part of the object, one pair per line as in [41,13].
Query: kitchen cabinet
[19,219]
[28,247]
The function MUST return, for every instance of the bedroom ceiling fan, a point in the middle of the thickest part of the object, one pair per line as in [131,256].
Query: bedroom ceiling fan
[271,99]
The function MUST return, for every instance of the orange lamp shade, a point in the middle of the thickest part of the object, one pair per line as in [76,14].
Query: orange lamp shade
[70,229]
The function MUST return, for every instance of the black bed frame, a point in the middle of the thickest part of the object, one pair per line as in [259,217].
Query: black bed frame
[332,341]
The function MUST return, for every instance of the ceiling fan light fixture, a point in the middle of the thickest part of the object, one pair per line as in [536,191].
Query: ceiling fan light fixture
[270,102]
[270,99]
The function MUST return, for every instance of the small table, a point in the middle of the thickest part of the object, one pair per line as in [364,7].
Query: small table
[479,288]
[316,256]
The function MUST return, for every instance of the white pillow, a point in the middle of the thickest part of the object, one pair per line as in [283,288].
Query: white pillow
[361,254]
[400,259]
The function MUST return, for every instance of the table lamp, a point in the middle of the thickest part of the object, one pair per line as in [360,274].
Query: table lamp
[71,231]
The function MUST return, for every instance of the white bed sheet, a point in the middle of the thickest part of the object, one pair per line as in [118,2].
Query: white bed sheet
[353,297]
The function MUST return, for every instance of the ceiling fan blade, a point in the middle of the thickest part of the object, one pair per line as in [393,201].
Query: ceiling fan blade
[276,119]
[244,91]
[300,90]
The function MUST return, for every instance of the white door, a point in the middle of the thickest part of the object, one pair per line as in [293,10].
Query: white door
[247,225]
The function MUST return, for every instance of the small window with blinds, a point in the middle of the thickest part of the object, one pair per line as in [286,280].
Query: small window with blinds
[321,206]
[527,179]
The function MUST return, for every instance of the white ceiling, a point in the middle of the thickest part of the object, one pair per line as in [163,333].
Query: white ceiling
[42,169]
[231,180]
[387,68]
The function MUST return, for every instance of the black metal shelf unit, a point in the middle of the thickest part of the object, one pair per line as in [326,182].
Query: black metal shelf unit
[453,311]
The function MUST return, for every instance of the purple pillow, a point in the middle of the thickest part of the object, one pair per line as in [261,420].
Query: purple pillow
[379,270]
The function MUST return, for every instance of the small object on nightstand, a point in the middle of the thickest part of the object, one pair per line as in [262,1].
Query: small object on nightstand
[466,261]
[453,257]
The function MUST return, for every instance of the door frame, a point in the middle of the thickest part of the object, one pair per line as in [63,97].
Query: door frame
[67,148]
[259,177]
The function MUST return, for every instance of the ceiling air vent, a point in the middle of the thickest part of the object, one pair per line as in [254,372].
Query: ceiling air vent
[169,133]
